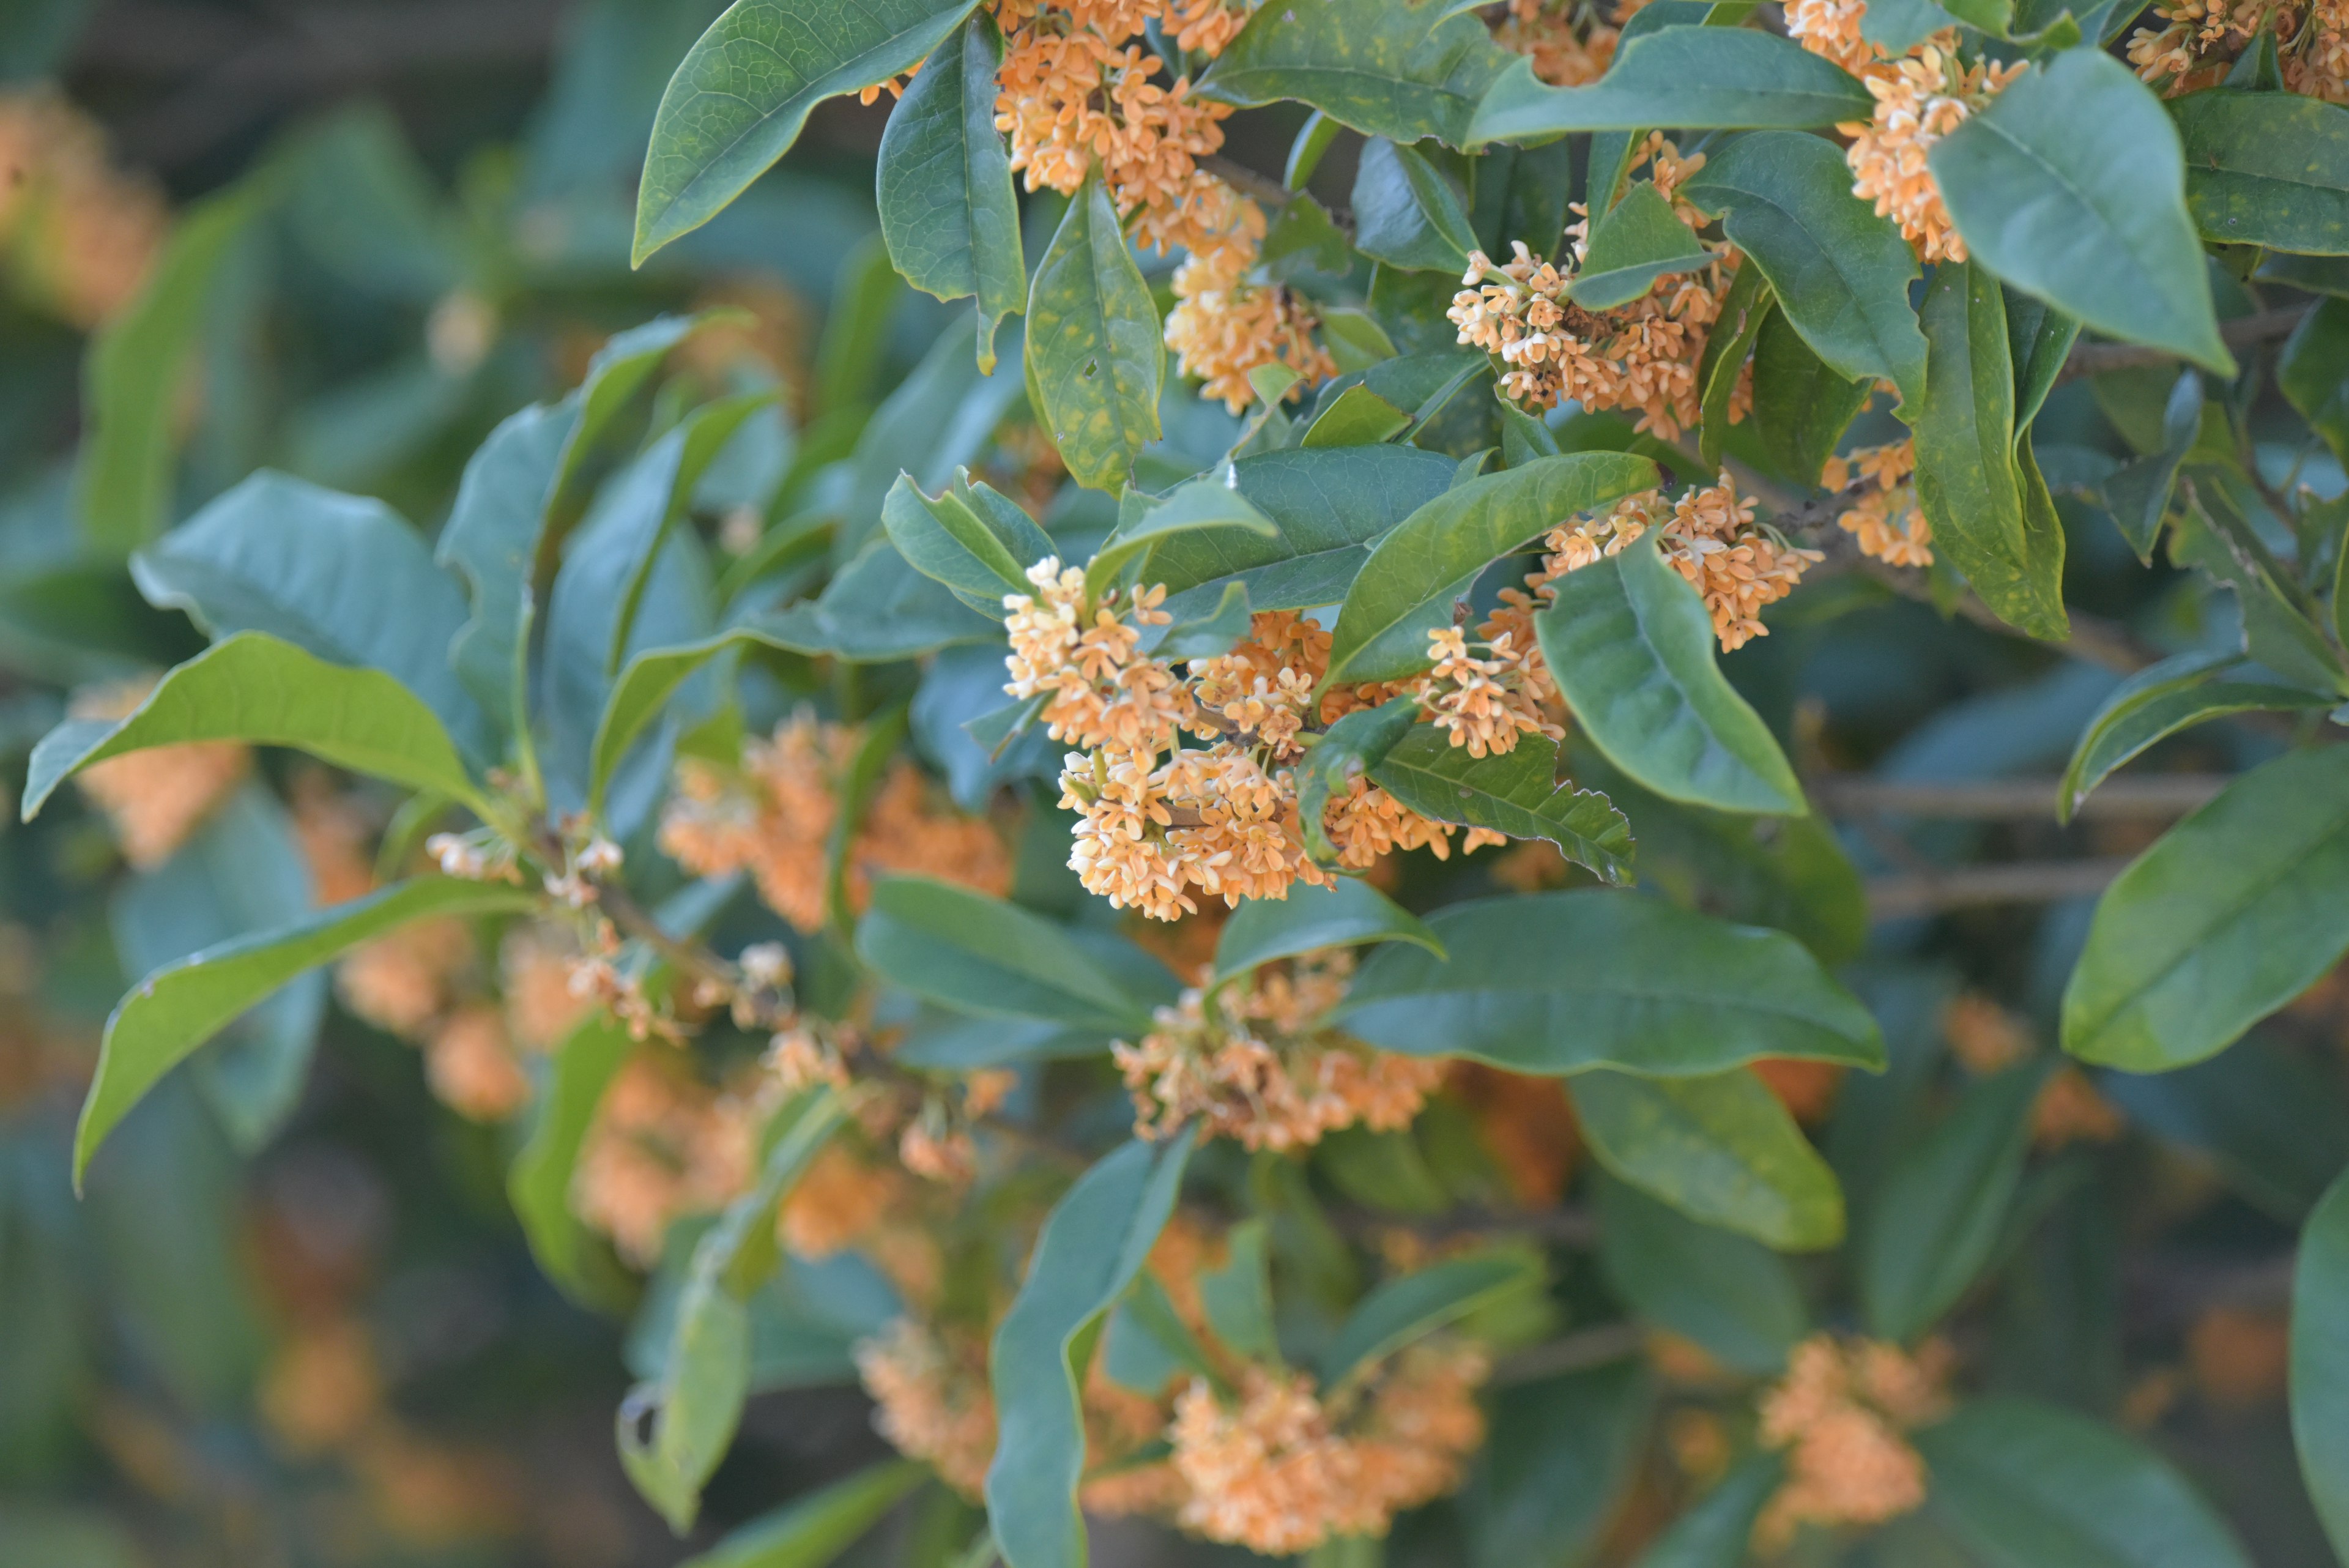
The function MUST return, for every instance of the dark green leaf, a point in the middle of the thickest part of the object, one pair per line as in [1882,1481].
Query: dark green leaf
[1802,405]
[1652,989]
[1632,647]
[2263,1114]
[876,608]
[2071,186]
[1406,213]
[1348,911]
[2231,913]
[492,535]
[2266,169]
[2026,1485]
[1633,243]
[2137,494]
[175,1009]
[947,210]
[2156,704]
[1210,635]
[1404,71]
[1211,503]
[811,1530]
[1967,479]
[1237,1297]
[1358,416]
[1717,1531]
[2320,1361]
[1727,1293]
[1748,304]
[1092,1246]
[977,542]
[1415,1305]
[538,1184]
[1699,79]
[1517,793]
[1352,747]
[2312,373]
[1720,1149]
[1841,273]
[2039,339]
[739,97]
[1932,1224]
[980,955]
[1560,1454]
[1418,571]
[1095,363]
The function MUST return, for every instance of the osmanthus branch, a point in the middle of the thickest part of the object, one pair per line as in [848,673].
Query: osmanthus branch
[1577,1352]
[2156,798]
[2016,882]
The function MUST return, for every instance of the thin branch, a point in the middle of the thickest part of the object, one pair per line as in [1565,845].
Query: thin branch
[1576,1352]
[1966,887]
[2157,797]
[2243,332]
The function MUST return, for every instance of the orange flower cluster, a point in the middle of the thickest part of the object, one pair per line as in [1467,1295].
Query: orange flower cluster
[1221,819]
[1920,98]
[1985,1038]
[839,1199]
[1286,1471]
[1265,1068]
[81,234]
[1840,1413]
[1567,43]
[156,798]
[1885,517]
[775,817]
[1738,566]
[2198,41]
[662,1145]
[1642,356]
[933,1401]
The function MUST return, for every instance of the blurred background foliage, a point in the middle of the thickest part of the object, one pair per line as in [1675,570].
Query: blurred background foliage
[391,223]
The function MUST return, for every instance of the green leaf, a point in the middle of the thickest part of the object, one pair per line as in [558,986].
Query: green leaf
[1699,78]
[1937,1213]
[1802,405]
[1093,1245]
[2027,1484]
[947,210]
[740,95]
[132,382]
[1095,362]
[2263,1115]
[179,1007]
[649,680]
[538,1184]
[2231,913]
[2312,373]
[1327,508]
[2071,186]
[1967,479]
[1717,1531]
[1650,989]
[1358,417]
[1632,647]
[2266,169]
[1212,502]
[981,955]
[1841,273]
[2320,1361]
[977,542]
[811,1530]
[1308,918]
[2156,704]
[1720,1149]
[1633,243]
[1403,71]
[339,576]
[1517,793]
[255,689]
[1430,560]
[876,609]
[1727,1293]
[1406,213]
[673,1430]
[492,535]
[1415,1305]
[1748,304]
[1561,1454]
[1352,747]
[2137,494]
[1237,1297]
[1210,636]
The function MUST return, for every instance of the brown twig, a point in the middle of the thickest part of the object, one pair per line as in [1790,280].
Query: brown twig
[1964,887]
[2157,797]
[1576,1352]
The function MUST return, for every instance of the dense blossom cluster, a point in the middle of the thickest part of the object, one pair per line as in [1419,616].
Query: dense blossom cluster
[1921,97]
[2197,41]
[1568,41]
[1257,1061]
[1885,517]
[78,234]
[1642,356]
[775,817]
[1737,565]
[1840,1414]
[1078,91]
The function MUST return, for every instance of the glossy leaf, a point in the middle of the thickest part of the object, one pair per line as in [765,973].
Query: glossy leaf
[1967,479]
[645,686]
[977,542]
[1699,78]
[2157,702]
[2231,913]
[1414,1305]
[814,1529]
[1652,988]
[1720,1149]
[2320,1361]
[1632,647]
[2312,373]
[1404,71]
[1517,793]
[981,955]
[2266,169]
[2071,186]
[491,537]
[1093,1244]
[1211,503]
[1094,360]
[1347,912]
[1936,1216]
[178,1008]
[2137,494]
[1633,243]
[947,209]
[538,1184]
[1358,417]
[260,690]
[876,609]
[2026,1484]
[1406,213]
[1748,304]
[1350,747]
[742,94]
[1841,273]
[1729,1294]
[1416,572]
[2039,339]
[1802,405]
